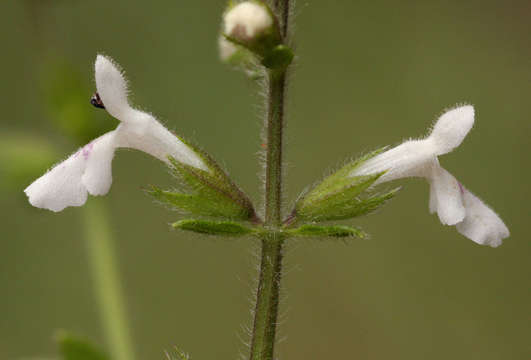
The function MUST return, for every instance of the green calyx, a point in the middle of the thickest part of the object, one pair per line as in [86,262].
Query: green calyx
[205,193]
[341,196]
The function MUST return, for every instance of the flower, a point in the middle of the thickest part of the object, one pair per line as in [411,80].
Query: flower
[89,169]
[247,21]
[454,204]
[226,49]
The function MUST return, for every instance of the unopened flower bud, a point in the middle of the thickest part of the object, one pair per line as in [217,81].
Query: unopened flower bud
[252,26]
[248,21]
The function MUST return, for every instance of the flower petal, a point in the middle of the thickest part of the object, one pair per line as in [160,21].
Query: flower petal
[451,128]
[453,203]
[138,130]
[445,196]
[97,177]
[481,224]
[61,186]
[67,183]
[411,158]
[112,88]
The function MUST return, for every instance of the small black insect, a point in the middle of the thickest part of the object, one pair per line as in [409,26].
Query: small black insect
[96,101]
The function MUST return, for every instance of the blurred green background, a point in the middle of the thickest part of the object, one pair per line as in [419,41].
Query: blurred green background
[368,73]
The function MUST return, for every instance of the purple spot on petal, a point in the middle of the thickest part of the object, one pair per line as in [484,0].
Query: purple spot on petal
[87,149]
[462,188]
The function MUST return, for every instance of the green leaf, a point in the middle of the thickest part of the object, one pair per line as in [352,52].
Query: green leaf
[205,193]
[74,348]
[338,231]
[224,228]
[67,92]
[23,158]
[231,4]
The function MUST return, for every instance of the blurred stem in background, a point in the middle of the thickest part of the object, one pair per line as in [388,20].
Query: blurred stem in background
[66,95]
[104,270]
[267,297]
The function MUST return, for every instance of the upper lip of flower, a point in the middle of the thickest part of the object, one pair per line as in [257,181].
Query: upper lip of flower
[454,204]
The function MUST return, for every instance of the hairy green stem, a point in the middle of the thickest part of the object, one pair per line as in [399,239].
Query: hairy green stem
[275,126]
[105,276]
[267,297]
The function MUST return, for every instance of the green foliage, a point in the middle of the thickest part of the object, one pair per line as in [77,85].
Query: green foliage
[231,4]
[205,193]
[223,228]
[341,196]
[74,348]
[338,231]
[67,101]
[23,158]
[181,355]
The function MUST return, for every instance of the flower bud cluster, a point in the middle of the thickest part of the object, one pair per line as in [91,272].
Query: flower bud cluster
[251,26]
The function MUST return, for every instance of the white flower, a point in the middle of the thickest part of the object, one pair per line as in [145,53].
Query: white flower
[454,204]
[89,169]
[247,20]
[226,49]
